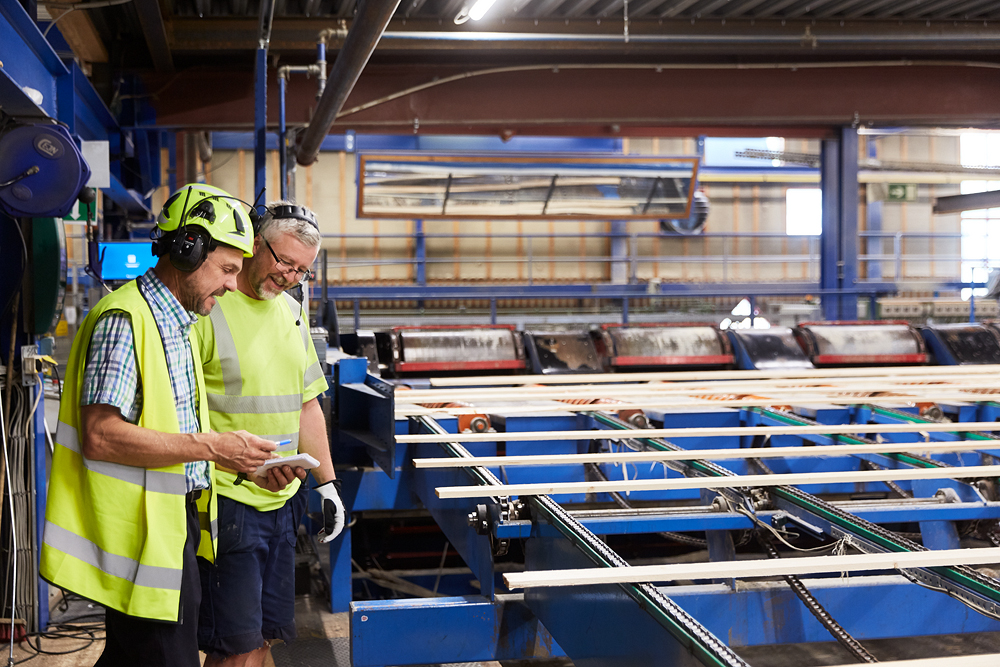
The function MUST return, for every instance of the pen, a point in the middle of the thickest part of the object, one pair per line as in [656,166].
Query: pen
[242,477]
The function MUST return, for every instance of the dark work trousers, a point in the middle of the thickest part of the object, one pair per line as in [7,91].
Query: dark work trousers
[140,642]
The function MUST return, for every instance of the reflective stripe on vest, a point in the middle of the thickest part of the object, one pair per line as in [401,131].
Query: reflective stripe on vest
[113,564]
[255,379]
[232,379]
[159,481]
[254,405]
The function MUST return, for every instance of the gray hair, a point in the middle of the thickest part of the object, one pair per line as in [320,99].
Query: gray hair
[300,229]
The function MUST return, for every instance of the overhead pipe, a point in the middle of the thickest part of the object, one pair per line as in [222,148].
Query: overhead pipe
[372,18]
[284,73]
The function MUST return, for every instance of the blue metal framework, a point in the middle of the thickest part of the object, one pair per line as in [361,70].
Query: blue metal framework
[67,96]
[839,241]
[601,622]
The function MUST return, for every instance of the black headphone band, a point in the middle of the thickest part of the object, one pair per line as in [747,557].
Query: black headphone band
[282,211]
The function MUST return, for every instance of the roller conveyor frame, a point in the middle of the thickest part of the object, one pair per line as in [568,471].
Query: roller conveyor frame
[560,617]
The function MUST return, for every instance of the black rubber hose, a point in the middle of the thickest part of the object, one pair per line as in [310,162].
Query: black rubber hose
[816,609]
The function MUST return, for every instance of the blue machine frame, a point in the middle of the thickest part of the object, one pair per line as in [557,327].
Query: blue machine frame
[599,623]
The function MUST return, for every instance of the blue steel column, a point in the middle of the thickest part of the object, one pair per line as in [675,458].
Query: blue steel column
[41,491]
[848,222]
[839,240]
[260,98]
[260,122]
[282,136]
[420,252]
[874,224]
[829,242]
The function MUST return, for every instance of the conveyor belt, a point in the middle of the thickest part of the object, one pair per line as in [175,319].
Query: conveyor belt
[963,576]
[691,634]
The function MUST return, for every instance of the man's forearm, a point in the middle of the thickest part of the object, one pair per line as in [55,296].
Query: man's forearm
[105,436]
[313,440]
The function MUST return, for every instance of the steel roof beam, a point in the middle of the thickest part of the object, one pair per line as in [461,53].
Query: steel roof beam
[801,10]
[978,5]
[155,32]
[869,7]
[545,8]
[412,7]
[740,10]
[676,9]
[773,9]
[579,8]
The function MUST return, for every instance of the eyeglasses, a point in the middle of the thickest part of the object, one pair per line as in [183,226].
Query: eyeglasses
[300,275]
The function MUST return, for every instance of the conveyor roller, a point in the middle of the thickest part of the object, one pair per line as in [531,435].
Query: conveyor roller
[558,352]
[963,344]
[767,349]
[435,349]
[664,345]
[874,343]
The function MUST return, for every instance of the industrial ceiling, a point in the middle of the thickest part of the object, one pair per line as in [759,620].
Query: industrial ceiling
[579,66]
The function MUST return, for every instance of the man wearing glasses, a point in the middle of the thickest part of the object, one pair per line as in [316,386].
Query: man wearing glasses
[261,372]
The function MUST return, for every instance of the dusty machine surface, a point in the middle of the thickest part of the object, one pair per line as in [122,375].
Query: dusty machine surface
[962,344]
[861,343]
[768,349]
[661,346]
[442,349]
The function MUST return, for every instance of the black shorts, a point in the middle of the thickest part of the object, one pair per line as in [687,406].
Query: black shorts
[141,642]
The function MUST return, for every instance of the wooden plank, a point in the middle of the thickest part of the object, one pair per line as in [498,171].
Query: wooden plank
[982,660]
[735,481]
[671,389]
[412,410]
[705,454]
[668,376]
[79,32]
[700,432]
[751,569]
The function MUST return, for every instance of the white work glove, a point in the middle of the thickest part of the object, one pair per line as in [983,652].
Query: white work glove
[333,510]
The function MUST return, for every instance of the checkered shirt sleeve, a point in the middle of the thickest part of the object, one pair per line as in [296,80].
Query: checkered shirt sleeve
[110,376]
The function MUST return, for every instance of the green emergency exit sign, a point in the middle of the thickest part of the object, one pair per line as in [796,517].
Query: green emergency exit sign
[902,192]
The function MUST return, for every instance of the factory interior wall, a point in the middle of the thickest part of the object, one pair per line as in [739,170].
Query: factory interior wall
[329,188]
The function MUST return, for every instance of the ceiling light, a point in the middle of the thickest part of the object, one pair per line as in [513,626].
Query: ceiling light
[475,12]
[480,8]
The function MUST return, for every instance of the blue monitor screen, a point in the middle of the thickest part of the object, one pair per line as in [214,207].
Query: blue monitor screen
[125,260]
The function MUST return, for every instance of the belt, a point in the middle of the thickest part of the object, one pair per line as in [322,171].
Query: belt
[193,496]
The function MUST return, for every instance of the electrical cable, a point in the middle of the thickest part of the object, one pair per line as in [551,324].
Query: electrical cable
[624,504]
[816,609]
[80,5]
[13,538]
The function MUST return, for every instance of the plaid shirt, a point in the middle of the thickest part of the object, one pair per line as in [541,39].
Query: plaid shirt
[111,376]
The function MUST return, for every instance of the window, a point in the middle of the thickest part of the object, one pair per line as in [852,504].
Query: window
[803,211]
[980,228]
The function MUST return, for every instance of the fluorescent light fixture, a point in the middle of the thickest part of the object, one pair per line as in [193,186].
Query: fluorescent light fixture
[479,9]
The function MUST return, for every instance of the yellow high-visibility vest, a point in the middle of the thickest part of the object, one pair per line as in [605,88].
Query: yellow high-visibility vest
[260,367]
[115,533]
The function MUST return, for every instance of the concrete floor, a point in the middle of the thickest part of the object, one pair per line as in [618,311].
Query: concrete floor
[324,642]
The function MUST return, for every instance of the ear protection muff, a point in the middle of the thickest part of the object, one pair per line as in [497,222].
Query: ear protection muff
[282,211]
[189,248]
